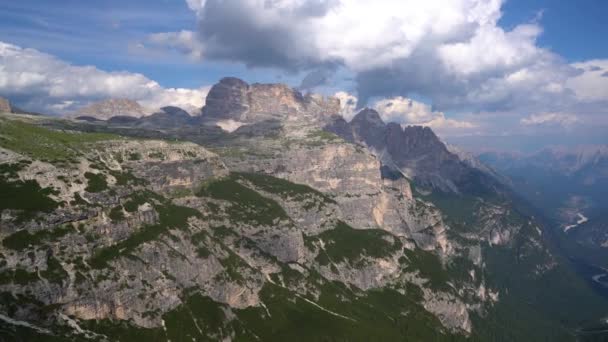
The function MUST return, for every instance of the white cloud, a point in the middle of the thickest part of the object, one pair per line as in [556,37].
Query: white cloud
[410,112]
[591,84]
[348,104]
[183,41]
[453,52]
[44,82]
[404,111]
[561,119]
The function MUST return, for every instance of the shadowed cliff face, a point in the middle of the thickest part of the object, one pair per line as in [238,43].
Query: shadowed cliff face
[414,150]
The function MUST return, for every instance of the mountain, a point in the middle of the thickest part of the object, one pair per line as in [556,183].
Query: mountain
[563,182]
[106,109]
[569,186]
[7,107]
[414,151]
[292,226]
[235,100]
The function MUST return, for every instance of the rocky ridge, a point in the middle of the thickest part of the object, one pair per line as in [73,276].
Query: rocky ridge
[275,225]
[106,109]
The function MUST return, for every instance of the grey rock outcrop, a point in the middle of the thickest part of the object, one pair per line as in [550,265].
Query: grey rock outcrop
[413,150]
[106,109]
[234,99]
[5,106]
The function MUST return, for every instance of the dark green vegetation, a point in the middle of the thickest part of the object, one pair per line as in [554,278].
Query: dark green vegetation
[246,205]
[23,239]
[27,197]
[96,182]
[287,189]
[170,217]
[429,267]
[339,314]
[344,243]
[538,289]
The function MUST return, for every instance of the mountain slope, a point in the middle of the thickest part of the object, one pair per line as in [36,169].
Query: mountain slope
[278,230]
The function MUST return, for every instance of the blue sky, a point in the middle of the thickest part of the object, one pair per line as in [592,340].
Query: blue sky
[464,67]
[576,30]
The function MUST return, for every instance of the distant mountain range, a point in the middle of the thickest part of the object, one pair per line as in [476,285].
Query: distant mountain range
[561,181]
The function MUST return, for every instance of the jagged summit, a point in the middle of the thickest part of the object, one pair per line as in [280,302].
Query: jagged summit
[368,116]
[413,150]
[106,109]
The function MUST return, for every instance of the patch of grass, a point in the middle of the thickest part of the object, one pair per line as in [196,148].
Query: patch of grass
[134,156]
[139,198]
[54,272]
[9,171]
[116,214]
[383,315]
[18,276]
[247,205]
[156,155]
[293,191]
[23,239]
[96,182]
[344,243]
[27,197]
[126,177]
[170,217]
[429,267]
[323,135]
[46,144]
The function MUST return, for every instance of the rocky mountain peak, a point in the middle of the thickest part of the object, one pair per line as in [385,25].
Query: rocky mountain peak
[5,105]
[175,111]
[414,150]
[106,109]
[368,116]
[234,99]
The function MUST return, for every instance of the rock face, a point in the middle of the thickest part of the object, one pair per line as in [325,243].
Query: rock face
[5,106]
[234,99]
[415,151]
[273,231]
[107,109]
[167,117]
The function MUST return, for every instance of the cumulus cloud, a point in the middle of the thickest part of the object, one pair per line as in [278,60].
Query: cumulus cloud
[405,111]
[410,112]
[592,83]
[561,119]
[348,104]
[183,41]
[452,52]
[43,82]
